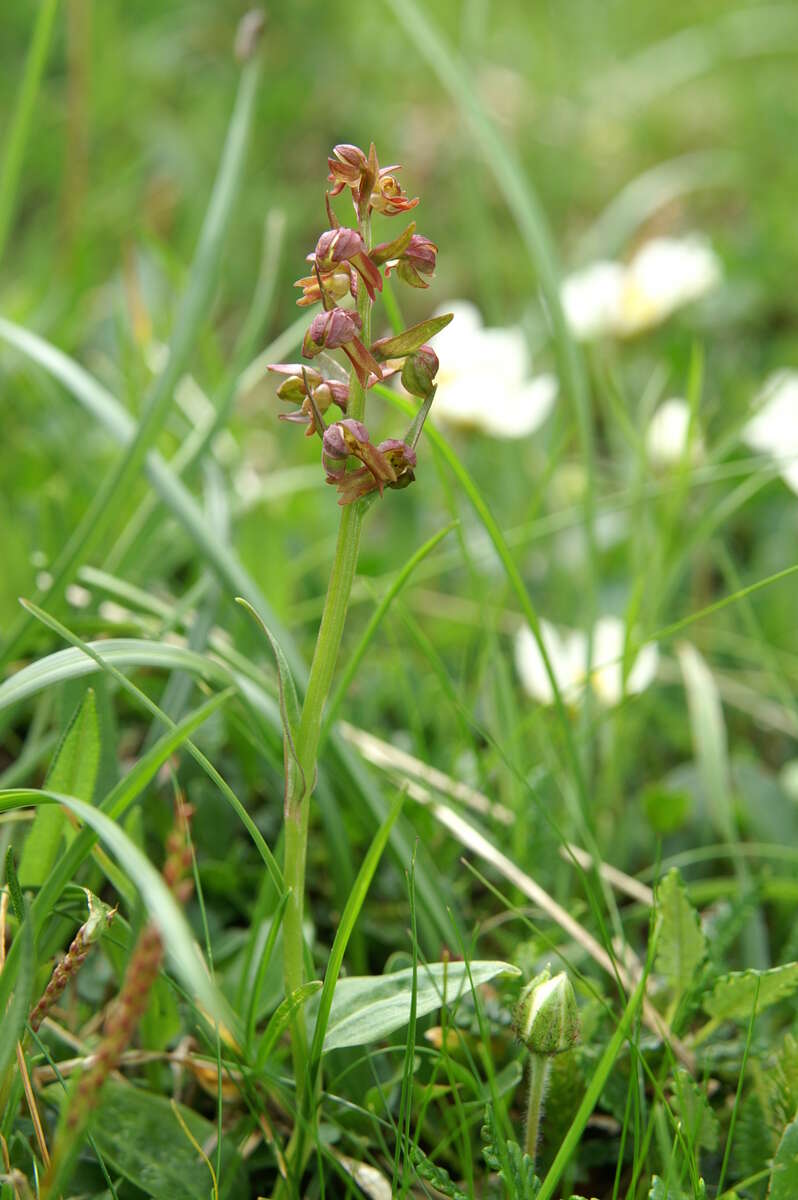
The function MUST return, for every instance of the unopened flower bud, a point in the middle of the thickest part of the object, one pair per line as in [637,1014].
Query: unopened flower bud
[339,328]
[419,371]
[418,260]
[329,330]
[346,165]
[343,245]
[547,1020]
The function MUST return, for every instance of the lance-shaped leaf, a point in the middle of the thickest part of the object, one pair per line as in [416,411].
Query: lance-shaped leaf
[74,771]
[410,339]
[387,250]
[295,782]
[367,1008]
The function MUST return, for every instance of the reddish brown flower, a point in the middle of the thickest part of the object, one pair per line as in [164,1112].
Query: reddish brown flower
[338,329]
[294,390]
[342,245]
[387,197]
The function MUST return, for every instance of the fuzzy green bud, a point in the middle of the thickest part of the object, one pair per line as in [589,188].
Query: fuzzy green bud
[547,1020]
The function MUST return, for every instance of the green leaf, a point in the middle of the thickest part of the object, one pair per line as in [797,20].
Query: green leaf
[436,1175]
[409,339]
[295,782]
[174,929]
[139,1135]
[681,946]
[732,998]
[15,1016]
[504,1155]
[699,1123]
[660,1191]
[282,1017]
[74,771]
[784,1176]
[366,1008]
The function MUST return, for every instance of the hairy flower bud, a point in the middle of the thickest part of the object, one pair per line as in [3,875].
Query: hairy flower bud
[547,1020]
[419,371]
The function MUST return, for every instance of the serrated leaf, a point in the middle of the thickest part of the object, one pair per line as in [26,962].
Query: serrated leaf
[368,1007]
[409,339]
[733,996]
[660,1190]
[681,946]
[139,1135]
[74,772]
[700,1125]
[784,1175]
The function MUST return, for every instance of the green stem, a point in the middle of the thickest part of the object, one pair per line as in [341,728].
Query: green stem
[325,657]
[538,1078]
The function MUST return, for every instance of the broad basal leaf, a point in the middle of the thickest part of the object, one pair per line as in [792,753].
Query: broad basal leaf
[368,1007]
[734,995]
[681,947]
[139,1135]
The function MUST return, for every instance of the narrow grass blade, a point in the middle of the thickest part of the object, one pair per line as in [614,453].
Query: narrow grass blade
[106,409]
[111,494]
[158,900]
[346,925]
[153,708]
[74,770]
[514,579]
[528,212]
[295,782]
[711,752]
[18,129]
[15,1015]
[263,966]
[349,671]
[281,1018]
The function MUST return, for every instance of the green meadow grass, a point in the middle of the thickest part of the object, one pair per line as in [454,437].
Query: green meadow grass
[157,199]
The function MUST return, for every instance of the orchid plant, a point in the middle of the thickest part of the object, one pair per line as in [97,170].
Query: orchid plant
[346,276]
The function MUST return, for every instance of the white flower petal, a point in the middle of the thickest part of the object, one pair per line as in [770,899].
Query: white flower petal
[484,381]
[644,669]
[531,668]
[665,274]
[522,411]
[774,427]
[607,675]
[591,299]
[668,432]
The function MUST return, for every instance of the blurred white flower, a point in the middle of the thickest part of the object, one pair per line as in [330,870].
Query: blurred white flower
[484,381]
[667,436]
[567,651]
[774,427]
[610,298]
[592,299]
